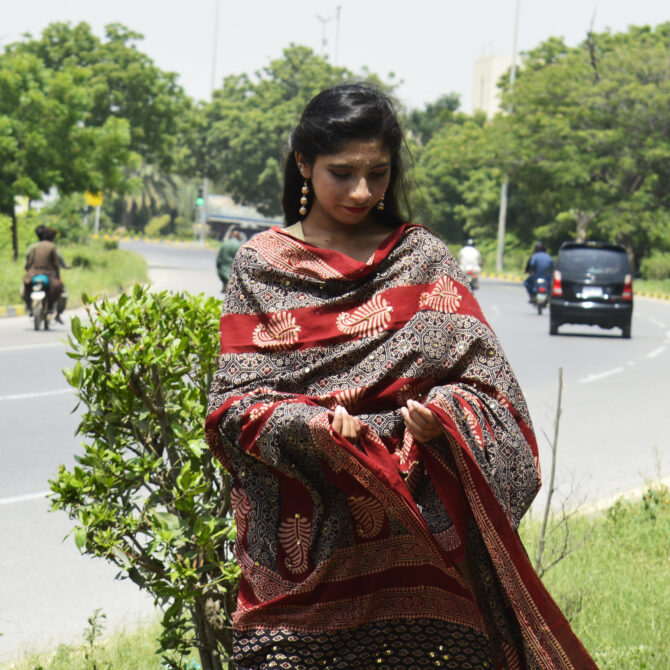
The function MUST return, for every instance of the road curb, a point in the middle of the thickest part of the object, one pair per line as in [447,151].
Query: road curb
[12,310]
[517,278]
[153,240]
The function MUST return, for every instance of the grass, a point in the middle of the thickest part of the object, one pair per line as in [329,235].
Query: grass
[125,650]
[97,268]
[614,589]
[652,285]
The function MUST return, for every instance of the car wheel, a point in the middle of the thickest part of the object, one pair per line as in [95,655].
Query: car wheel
[625,331]
[553,327]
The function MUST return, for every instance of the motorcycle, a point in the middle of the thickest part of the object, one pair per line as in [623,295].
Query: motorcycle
[541,293]
[39,304]
[472,274]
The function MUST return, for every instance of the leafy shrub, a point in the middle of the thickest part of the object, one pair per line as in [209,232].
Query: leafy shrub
[66,215]
[80,261]
[158,226]
[656,266]
[146,494]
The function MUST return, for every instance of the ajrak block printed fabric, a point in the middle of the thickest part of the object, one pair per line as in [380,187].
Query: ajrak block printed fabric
[388,552]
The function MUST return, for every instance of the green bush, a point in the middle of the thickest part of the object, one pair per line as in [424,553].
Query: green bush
[159,225]
[656,266]
[146,494]
[65,215]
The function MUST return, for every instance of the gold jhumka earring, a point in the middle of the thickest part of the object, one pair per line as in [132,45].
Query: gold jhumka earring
[303,199]
[380,204]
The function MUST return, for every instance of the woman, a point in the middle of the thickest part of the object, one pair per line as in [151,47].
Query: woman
[381,450]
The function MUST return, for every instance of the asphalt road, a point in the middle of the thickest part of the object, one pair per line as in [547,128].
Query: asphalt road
[47,589]
[614,434]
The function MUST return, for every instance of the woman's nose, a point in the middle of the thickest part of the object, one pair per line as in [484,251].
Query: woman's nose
[361,192]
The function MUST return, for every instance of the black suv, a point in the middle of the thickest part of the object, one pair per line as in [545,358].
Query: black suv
[592,284]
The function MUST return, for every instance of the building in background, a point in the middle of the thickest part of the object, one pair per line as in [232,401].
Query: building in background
[486,95]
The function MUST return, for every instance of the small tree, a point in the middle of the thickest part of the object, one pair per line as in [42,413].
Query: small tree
[146,494]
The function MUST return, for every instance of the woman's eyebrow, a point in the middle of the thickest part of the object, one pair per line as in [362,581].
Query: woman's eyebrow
[353,165]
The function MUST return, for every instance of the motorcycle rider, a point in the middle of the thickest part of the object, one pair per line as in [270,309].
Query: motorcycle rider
[469,257]
[540,264]
[42,257]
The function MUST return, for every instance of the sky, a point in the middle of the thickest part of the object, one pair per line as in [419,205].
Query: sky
[429,45]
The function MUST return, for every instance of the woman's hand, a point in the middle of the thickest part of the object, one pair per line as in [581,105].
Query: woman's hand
[347,426]
[420,421]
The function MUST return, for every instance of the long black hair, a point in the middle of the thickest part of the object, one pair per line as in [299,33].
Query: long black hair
[337,115]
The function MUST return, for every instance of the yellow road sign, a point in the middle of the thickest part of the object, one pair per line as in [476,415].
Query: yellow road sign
[93,199]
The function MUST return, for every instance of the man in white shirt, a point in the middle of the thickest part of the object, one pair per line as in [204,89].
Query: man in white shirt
[468,255]
[470,261]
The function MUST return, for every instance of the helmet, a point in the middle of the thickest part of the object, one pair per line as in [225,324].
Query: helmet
[470,242]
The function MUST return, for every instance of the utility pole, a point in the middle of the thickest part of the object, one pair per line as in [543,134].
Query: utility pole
[324,40]
[205,181]
[502,214]
[337,35]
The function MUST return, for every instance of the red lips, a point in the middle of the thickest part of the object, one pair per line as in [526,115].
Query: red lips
[356,210]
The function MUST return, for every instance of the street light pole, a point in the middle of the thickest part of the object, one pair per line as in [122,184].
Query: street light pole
[502,214]
[324,41]
[205,181]
[337,35]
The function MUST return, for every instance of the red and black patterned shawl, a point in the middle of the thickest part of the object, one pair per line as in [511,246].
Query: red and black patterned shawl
[335,536]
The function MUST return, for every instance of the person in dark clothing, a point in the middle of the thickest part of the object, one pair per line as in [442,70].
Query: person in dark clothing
[43,258]
[540,264]
[227,251]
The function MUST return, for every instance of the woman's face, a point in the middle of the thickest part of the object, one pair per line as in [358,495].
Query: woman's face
[349,183]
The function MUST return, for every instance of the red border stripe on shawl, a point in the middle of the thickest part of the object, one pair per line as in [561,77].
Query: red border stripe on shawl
[318,325]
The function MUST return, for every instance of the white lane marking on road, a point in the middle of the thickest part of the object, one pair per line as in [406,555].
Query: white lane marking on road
[601,375]
[24,498]
[656,352]
[656,322]
[29,396]
[32,346]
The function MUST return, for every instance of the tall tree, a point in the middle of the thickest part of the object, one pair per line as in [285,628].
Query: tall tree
[589,135]
[45,137]
[76,110]
[424,123]
[249,119]
[124,83]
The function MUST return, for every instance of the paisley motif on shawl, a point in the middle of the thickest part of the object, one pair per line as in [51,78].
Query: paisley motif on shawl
[280,332]
[444,296]
[294,535]
[366,320]
[369,515]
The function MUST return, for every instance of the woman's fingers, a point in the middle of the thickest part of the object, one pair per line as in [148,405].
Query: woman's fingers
[346,425]
[420,421]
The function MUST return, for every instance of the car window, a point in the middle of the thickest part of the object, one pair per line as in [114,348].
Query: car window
[594,262]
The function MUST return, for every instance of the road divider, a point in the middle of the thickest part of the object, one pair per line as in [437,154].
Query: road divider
[24,498]
[31,396]
[601,375]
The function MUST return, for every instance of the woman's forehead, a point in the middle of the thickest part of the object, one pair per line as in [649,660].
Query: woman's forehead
[358,152]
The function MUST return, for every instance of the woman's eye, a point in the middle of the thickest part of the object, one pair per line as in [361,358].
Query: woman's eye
[378,175]
[341,175]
